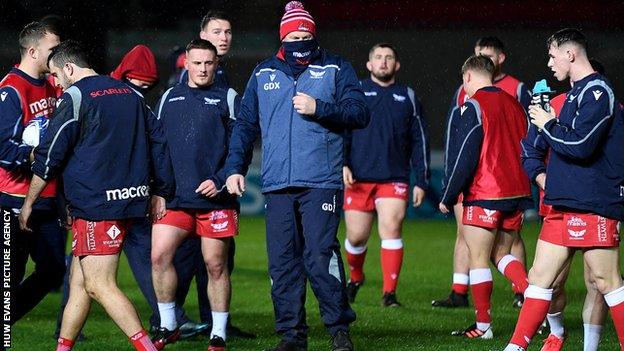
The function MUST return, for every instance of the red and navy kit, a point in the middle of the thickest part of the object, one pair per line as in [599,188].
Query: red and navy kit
[483,154]
[198,123]
[586,143]
[508,84]
[394,142]
[23,100]
[110,149]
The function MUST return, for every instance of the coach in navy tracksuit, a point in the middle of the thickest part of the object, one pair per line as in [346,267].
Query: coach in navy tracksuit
[301,101]
[113,157]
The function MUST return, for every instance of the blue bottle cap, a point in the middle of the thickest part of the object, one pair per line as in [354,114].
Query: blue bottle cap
[541,87]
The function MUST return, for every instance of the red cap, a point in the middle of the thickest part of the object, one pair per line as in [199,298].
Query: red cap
[139,63]
[296,18]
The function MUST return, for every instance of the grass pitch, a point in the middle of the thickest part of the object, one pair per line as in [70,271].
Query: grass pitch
[426,275]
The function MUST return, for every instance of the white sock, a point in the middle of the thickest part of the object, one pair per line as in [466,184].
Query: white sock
[219,324]
[555,321]
[591,337]
[512,347]
[354,250]
[461,278]
[167,315]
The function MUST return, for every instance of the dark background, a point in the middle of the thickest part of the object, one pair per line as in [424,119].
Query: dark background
[433,37]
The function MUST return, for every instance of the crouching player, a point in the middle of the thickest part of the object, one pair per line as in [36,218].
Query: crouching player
[197,117]
[103,140]
[584,184]
[483,163]
[378,169]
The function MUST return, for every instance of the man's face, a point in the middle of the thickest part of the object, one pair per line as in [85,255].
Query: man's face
[61,74]
[201,65]
[219,33]
[382,64]
[44,48]
[496,56]
[298,36]
[559,61]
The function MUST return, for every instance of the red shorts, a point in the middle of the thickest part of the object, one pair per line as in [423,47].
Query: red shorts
[492,219]
[363,196]
[571,229]
[543,208]
[98,238]
[210,224]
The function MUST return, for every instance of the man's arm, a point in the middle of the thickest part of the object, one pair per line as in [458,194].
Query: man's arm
[61,137]
[464,138]
[163,180]
[245,131]
[420,143]
[349,110]
[534,152]
[593,120]
[37,184]
[14,153]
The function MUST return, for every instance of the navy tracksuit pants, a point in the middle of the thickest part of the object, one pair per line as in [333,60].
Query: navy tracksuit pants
[301,229]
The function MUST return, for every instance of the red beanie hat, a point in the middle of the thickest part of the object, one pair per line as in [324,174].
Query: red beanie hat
[296,18]
[139,63]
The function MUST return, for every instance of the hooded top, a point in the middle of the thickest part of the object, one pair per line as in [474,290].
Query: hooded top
[138,63]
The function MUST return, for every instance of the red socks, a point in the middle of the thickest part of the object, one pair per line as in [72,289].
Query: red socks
[142,342]
[64,344]
[391,261]
[481,284]
[615,301]
[355,259]
[460,283]
[532,314]
[514,271]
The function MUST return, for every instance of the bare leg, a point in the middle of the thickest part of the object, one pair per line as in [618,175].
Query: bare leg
[78,304]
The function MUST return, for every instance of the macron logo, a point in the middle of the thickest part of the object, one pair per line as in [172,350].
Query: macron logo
[462,110]
[3,95]
[370,93]
[179,98]
[272,77]
[572,97]
[597,94]
[127,193]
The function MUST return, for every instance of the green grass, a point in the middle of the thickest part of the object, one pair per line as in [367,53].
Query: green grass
[416,326]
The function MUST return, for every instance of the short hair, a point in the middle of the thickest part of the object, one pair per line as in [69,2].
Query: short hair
[491,42]
[567,35]
[214,15]
[201,44]
[69,51]
[481,64]
[385,46]
[33,32]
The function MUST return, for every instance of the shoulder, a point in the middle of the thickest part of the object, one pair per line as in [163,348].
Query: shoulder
[596,91]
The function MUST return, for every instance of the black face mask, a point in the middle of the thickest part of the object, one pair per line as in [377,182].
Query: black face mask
[299,54]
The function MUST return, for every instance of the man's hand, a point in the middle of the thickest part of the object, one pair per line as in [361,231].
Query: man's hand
[207,188]
[540,179]
[347,176]
[443,208]
[158,210]
[418,196]
[304,104]
[539,117]
[236,184]
[24,216]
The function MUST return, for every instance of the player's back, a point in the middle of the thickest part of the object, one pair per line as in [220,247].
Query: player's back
[499,173]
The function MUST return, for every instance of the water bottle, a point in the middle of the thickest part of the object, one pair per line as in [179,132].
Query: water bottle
[541,95]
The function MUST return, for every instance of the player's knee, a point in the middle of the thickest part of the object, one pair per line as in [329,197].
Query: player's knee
[160,260]
[606,283]
[216,268]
